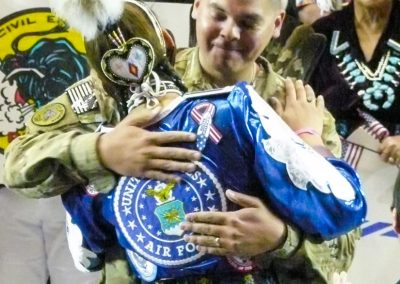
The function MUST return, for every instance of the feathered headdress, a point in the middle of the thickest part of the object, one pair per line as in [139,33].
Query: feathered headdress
[88,16]
[325,5]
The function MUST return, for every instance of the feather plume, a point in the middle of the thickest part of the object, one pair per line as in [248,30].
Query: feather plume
[88,16]
[325,5]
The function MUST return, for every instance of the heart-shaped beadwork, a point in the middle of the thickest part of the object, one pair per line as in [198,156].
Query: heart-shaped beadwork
[129,64]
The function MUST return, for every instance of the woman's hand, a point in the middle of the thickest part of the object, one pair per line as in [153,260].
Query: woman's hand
[250,231]
[301,110]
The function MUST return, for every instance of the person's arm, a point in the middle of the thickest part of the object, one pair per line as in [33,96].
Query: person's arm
[302,111]
[299,258]
[274,91]
[48,164]
[310,262]
[329,136]
[55,156]
[58,154]
[292,255]
[305,182]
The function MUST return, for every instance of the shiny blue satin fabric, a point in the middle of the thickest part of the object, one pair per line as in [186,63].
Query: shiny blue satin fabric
[246,147]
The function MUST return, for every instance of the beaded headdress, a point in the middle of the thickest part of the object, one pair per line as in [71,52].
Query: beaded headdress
[131,60]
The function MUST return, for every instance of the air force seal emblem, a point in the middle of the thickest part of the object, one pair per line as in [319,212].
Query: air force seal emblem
[149,214]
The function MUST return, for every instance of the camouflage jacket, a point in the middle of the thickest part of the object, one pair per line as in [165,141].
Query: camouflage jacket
[58,150]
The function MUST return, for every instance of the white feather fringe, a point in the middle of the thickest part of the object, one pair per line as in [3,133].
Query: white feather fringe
[88,16]
[325,5]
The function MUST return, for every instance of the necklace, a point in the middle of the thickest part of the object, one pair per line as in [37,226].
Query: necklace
[376,88]
[380,70]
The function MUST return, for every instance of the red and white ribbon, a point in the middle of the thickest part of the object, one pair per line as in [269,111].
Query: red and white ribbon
[203,114]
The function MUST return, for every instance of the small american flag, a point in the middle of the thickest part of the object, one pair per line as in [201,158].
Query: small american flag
[201,142]
[352,153]
[82,98]
[373,126]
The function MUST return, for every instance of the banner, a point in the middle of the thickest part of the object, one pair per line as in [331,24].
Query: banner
[39,58]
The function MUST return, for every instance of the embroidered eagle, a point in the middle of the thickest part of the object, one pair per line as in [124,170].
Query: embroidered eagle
[162,192]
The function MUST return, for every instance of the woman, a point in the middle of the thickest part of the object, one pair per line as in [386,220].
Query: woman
[359,71]
[359,75]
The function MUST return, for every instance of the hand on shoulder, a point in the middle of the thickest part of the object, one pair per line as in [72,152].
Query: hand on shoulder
[130,150]
[302,110]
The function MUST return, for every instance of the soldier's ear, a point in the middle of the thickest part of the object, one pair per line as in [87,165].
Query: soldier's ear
[278,23]
[170,45]
[194,9]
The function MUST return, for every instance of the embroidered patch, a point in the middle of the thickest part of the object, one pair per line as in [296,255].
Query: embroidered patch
[203,114]
[82,98]
[49,114]
[149,214]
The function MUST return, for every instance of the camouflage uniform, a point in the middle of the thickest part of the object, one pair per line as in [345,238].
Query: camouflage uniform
[299,260]
[58,150]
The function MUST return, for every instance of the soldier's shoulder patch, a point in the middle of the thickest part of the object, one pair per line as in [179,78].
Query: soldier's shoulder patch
[209,93]
[82,97]
[49,114]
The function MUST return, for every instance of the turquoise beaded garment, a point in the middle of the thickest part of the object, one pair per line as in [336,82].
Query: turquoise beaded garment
[375,87]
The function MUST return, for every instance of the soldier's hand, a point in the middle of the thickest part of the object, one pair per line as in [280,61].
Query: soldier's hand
[250,231]
[132,151]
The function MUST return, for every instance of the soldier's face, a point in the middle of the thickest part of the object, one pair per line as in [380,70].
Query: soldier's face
[231,34]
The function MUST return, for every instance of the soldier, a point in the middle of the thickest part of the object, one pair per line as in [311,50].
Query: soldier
[231,35]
